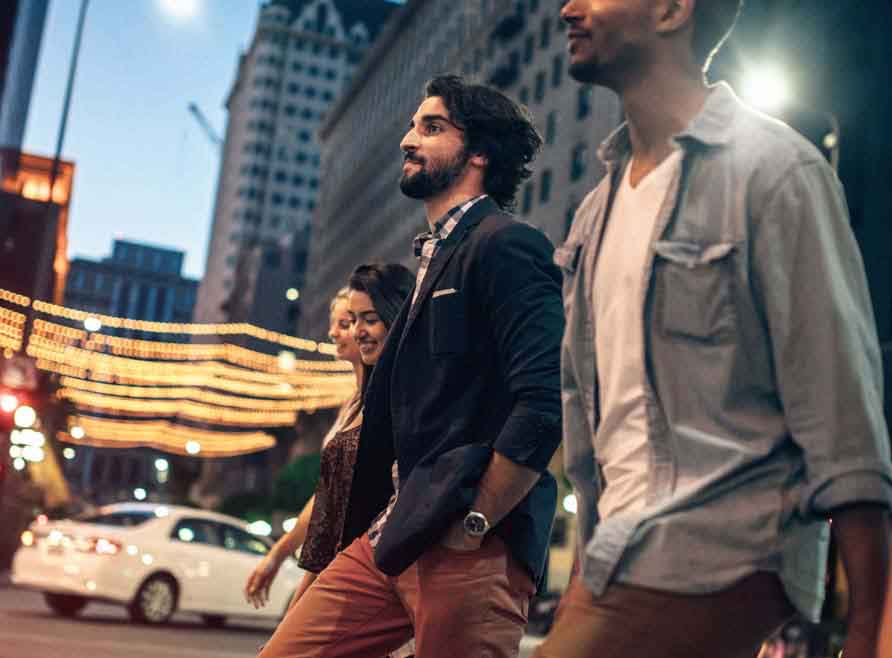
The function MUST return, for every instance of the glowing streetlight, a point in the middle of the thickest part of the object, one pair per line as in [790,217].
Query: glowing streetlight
[139,493]
[292,294]
[25,416]
[180,10]
[69,453]
[767,89]
[161,465]
[77,432]
[92,323]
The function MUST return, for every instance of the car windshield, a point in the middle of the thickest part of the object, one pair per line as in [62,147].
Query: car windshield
[126,519]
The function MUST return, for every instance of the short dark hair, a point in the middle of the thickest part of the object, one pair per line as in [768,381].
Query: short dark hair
[713,22]
[388,286]
[495,127]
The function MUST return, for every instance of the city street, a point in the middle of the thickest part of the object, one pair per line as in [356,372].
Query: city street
[28,629]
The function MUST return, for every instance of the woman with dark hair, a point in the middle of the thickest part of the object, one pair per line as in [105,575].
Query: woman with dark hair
[376,294]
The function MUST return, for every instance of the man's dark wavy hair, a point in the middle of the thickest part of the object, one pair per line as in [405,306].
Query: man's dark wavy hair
[494,126]
[713,22]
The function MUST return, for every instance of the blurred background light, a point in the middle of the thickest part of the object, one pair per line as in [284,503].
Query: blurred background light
[766,88]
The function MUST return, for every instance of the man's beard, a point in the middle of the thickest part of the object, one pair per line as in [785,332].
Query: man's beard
[586,71]
[425,183]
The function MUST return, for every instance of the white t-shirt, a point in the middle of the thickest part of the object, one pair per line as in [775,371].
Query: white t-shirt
[621,440]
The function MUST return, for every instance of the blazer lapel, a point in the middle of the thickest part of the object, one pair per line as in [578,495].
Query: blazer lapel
[473,217]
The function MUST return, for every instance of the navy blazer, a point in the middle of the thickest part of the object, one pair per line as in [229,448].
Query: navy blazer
[472,367]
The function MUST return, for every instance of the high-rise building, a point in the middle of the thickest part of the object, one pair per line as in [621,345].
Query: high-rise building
[517,46]
[138,281]
[302,55]
[21,31]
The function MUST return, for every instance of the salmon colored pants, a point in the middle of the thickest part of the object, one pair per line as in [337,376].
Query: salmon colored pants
[635,622]
[458,604]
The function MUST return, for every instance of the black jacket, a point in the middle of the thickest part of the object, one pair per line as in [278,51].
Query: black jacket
[473,366]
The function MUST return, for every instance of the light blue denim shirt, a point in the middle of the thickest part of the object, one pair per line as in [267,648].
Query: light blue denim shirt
[763,370]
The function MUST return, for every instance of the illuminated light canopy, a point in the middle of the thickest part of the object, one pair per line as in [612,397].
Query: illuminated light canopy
[92,323]
[180,394]
[161,465]
[8,403]
[25,416]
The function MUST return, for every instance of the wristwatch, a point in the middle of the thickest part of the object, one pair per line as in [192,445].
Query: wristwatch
[476,524]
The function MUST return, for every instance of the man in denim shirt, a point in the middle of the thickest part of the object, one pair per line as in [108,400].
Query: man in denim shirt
[722,380]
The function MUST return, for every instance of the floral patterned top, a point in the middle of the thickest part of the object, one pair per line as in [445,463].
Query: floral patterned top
[330,506]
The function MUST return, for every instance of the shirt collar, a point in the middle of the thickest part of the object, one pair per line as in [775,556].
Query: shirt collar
[711,127]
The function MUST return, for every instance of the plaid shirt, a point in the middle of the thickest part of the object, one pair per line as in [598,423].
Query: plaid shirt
[426,247]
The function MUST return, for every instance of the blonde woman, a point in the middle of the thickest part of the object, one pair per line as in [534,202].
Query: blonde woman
[259,582]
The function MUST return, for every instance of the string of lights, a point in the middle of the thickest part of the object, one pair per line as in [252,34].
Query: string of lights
[139,392]
[164,435]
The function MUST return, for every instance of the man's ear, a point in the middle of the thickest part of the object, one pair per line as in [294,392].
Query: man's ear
[478,160]
[674,15]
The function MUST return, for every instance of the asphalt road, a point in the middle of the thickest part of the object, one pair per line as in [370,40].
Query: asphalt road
[28,629]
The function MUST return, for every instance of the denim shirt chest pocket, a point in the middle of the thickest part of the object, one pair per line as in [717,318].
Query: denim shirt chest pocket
[694,289]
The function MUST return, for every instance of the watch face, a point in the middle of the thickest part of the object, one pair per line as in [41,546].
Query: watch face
[475,524]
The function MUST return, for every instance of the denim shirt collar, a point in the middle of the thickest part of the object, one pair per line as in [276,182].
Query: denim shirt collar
[713,126]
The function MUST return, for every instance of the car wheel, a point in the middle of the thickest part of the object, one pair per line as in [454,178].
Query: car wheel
[155,601]
[67,605]
[213,621]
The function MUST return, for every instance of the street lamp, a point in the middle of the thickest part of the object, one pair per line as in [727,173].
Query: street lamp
[769,89]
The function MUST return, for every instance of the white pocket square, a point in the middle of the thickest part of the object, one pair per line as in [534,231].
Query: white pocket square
[444,291]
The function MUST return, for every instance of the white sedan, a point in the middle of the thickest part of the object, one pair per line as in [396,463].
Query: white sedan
[154,559]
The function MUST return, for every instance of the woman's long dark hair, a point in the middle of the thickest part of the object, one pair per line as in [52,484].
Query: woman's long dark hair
[388,286]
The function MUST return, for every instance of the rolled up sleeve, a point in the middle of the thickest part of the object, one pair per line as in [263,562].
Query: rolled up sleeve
[522,292]
[809,273]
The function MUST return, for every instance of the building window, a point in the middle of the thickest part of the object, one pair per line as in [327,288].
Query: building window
[578,161]
[294,202]
[290,110]
[277,199]
[304,136]
[310,92]
[299,44]
[529,47]
[539,94]
[297,181]
[557,70]
[281,176]
[584,102]
[297,67]
[545,37]
[545,187]
[331,74]
[527,204]
[524,95]
[551,127]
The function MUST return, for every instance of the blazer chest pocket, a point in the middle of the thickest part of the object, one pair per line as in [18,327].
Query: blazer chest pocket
[449,334]
[694,296]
